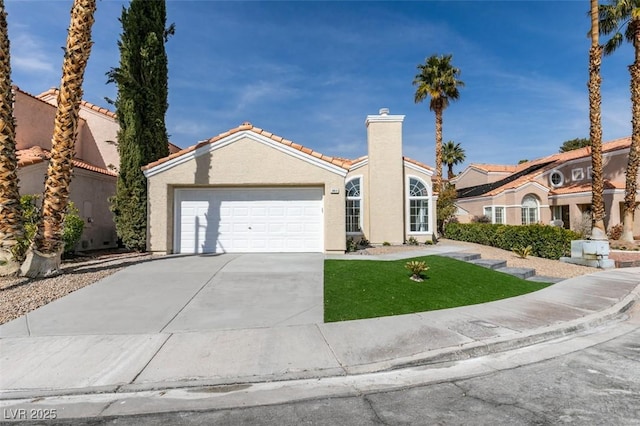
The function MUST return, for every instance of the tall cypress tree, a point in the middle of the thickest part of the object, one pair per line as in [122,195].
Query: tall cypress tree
[140,107]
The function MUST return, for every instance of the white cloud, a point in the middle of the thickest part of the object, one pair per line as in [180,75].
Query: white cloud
[27,54]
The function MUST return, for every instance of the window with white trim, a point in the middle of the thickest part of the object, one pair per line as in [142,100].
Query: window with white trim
[495,213]
[577,174]
[556,178]
[418,206]
[530,210]
[498,215]
[353,206]
[589,171]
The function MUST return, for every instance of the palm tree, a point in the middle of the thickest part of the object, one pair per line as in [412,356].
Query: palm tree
[598,230]
[437,80]
[615,17]
[452,154]
[44,256]
[10,214]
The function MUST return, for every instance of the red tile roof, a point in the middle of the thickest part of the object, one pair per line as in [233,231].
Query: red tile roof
[36,154]
[554,161]
[54,92]
[585,187]
[417,163]
[246,126]
[507,168]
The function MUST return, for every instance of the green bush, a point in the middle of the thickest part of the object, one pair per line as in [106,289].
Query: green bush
[71,231]
[72,228]
[550,242]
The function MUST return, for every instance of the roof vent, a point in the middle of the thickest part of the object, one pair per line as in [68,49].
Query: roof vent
[384,111]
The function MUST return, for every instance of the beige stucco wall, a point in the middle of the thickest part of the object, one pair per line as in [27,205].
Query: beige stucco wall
[98,139]
[472,177]
[614,170]
[364,173]
[245,162]
[385,201]
[89,192]
[96,136]
[34,122]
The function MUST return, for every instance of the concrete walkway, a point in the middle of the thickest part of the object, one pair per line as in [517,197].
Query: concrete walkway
[160,335]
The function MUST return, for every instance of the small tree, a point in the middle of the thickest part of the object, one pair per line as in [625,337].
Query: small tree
[446,208]
[574,144]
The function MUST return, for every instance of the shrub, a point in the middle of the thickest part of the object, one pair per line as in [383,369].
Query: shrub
[413,241]
[522,252]
[363,243]
[615,232]
[550,242]
[386,243]
[583,225]
[416,268]
[351,245]
[72,228]
[481,219]
[71,232]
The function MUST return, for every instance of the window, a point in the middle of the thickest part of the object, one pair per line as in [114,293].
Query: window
[418,206]
[495,213]
[499,215]
[560,216]
[589,171]
[556,178]
[353,206]
[577,174]
[529,210]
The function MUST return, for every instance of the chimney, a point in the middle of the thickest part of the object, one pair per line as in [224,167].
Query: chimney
[386,178]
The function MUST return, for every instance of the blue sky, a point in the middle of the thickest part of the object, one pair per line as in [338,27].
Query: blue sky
[312,71]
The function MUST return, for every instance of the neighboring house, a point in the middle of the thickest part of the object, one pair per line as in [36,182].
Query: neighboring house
[248,190]
[95,164]
[550,190]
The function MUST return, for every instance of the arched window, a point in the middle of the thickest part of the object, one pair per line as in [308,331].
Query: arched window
[418,206]
[530,210]
[354,206]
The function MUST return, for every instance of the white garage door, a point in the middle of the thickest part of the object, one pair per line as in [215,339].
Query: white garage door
[249,220]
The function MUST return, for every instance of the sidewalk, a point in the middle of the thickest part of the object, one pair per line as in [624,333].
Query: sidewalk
[43,366]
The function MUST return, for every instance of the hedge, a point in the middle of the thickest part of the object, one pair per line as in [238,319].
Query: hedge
[551,242]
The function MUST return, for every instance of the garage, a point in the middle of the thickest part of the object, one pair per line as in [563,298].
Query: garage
[237,220]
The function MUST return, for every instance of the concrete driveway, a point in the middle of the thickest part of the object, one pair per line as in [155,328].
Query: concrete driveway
[188,293]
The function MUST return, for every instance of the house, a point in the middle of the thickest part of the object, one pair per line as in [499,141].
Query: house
[94,167]
[248,190]
[552,190]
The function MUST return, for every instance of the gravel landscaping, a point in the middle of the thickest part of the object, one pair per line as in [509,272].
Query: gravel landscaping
[19,295]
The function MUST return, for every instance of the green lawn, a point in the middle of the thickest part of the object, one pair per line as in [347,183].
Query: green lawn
[356,289]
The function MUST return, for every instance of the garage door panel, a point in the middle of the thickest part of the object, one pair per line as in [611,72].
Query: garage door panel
[249,220]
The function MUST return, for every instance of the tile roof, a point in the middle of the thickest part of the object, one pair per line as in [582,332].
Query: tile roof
[417,163]
[507,168]
[585,187]
[35,155]
[530,170]
[54,93]
[246,126]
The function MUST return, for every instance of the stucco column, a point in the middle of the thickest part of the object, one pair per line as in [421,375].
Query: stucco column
[385,195]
